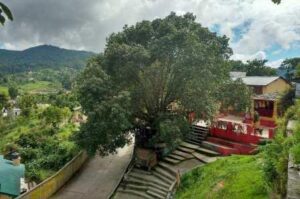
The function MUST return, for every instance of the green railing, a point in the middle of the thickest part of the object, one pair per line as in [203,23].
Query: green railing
[51,185]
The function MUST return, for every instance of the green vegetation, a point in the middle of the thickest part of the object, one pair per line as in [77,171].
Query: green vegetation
[40,87]
[148,79]
[5,13]
[41,57]
[233,177]
[42,134]
[253,68]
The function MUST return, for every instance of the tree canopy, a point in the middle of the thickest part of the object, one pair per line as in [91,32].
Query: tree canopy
[253,67]
[149,76]
[291,68]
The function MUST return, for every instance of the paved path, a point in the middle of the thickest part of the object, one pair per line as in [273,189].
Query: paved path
[98,177]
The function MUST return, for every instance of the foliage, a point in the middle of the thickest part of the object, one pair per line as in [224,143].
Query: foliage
[5,13]
[13,91]
[253,68]
[3,100]
[26,104]
[230,177]
[54,115]
[275,162]
[235,95]
[289,66]
[286,100]
[41,57]
[146,69]
[44,149]
[277,1]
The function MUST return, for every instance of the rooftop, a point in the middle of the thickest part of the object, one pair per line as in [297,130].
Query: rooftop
[258,80]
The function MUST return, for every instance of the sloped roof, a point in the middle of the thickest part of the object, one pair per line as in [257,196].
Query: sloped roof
[236,74]
[10,177]
[258,80]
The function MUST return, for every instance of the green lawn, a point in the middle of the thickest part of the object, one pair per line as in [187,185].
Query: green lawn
[234,177]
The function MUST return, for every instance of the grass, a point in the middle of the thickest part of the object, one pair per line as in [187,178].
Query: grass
[234,177]
[40,86]
[4,90]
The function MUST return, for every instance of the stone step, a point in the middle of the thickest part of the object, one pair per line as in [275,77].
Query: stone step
[193,141]
[171,160]
[207,152]
[155,181]
[188,145]
[165,173]
[176,157]
[184,149]
[143,195]
[148,183]
[135,187]
[163,178]
[167,167]
[156,195]
[122,195]
[145,188]
[224,150]
[183,154]
[199,127]
[138,170]
[204,158]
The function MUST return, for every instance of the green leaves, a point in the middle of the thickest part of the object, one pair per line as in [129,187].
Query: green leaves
[276,1]
[5,13]
[150,75]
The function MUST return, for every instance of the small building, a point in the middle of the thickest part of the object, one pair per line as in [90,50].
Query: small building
[264,84]
[11,177]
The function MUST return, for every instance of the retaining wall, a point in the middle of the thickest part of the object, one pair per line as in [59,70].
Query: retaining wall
[51,185]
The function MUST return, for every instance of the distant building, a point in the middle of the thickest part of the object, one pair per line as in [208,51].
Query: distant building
[11,112]
[11,177]
[265,84]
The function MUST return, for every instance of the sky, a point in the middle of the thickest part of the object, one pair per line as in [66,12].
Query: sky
[256,28]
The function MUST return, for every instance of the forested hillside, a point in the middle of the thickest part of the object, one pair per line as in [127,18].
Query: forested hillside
[41,57]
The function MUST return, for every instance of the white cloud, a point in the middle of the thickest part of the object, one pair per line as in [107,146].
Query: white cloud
[245,57]
[275,64]
[85,24]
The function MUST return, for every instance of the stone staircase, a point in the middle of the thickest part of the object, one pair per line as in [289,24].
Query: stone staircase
[160,181]
[197,134]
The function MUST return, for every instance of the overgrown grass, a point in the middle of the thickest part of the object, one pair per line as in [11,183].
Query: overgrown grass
[40,86]
[234,177]
[4,90]
[52,146]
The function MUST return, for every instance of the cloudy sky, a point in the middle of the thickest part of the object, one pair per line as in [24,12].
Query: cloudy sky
[256,28]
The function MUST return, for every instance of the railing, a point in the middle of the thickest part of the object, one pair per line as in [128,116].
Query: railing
[52,184]
[125,173]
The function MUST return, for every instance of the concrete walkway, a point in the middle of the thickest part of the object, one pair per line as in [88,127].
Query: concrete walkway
[98,177]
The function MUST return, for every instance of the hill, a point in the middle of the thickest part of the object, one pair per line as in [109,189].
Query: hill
[41,57]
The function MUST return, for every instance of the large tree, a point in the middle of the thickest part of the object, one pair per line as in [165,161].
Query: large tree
[149,76]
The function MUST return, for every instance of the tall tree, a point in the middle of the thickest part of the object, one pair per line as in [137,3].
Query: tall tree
[290,68]
[148,78]
[253,67]
[5,13]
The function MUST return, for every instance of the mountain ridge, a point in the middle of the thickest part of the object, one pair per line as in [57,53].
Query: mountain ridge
[42,56]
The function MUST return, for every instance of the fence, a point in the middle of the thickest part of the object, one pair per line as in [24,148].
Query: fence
[51,185]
